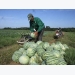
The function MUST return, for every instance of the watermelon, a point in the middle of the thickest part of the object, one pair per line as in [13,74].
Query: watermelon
[52,60]
[45,45]
[40,51]
[31,52]
[24,60]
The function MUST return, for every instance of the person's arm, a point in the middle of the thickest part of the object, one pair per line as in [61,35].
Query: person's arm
[41,24]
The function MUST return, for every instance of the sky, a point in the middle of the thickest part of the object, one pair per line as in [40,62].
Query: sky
[54,18]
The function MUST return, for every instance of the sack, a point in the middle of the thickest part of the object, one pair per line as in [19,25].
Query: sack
[55,37]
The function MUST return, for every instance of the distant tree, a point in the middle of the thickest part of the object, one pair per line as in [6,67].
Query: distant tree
[7,28]
[47,26]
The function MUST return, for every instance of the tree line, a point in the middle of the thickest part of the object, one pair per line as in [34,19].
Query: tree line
[47,28]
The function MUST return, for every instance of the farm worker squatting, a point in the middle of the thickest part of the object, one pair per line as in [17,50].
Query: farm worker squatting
[36,26]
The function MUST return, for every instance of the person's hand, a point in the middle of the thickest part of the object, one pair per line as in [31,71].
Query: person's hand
[36,34]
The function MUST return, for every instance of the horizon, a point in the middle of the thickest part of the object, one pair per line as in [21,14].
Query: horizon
[45,27]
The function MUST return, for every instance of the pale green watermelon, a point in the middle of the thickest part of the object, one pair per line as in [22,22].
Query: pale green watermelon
[33,61]
[22,50]
[16,55]
[49,48]
[31,52]
[45,45]
[24,53]
[39,42]
[32,35]
[24,60]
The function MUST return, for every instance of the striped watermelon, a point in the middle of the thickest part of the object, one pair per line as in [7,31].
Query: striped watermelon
[40,51]
[52,60]
[46,54]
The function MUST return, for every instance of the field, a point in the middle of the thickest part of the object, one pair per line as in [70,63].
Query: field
[8,44]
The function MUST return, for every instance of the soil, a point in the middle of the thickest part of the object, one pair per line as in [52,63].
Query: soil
[14,63]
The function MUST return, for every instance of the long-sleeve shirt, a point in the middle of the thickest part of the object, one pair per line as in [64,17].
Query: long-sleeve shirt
[37,24]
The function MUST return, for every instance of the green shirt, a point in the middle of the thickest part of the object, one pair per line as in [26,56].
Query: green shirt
[37,24]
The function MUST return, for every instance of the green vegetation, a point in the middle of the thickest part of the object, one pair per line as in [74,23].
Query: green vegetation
[9,37]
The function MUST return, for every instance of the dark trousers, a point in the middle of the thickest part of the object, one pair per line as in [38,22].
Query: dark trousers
[40,35]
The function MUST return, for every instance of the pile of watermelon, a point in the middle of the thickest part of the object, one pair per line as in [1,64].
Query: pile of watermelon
[41,53]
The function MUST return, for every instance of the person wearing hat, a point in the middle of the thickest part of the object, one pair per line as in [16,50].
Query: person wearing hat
[36,26]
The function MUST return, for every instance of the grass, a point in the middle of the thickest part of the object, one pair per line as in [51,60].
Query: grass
[9,37]
[70,56]
[8,44]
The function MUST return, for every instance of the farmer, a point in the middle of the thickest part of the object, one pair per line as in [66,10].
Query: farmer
[57,33]
[36,26]
[60,32]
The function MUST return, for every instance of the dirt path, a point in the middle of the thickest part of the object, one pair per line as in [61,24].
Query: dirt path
[13,63]
[6,50]
[9,47]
